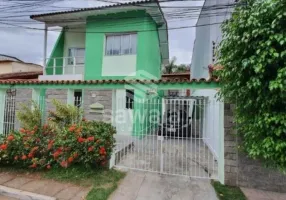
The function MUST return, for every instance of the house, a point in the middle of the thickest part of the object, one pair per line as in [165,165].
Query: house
[10,64]
[115,42]
[208,36]
[177,76]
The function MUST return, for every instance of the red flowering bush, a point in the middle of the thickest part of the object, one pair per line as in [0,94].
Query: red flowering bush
[88,143]
[59,143]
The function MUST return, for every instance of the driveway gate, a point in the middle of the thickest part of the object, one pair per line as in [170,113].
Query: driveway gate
[177,136]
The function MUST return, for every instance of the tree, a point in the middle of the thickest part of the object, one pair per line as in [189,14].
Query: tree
[253,56]
[171,66]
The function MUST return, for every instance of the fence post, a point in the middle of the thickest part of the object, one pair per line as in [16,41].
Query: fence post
[39,97]
[2,108]
[221,143]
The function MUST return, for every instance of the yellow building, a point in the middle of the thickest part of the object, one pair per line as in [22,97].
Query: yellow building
[9,64]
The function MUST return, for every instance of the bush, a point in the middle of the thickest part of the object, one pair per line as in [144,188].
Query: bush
[86,142]
[253,54]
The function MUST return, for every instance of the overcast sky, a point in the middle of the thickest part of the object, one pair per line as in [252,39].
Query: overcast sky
[28,45]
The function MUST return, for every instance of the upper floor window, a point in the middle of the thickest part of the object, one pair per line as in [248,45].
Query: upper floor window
[125,44]
[76,55]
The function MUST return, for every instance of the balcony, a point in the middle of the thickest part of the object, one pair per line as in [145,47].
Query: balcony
[64,68]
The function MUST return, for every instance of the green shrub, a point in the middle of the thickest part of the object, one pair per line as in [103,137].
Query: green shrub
[30,117]
[253,56]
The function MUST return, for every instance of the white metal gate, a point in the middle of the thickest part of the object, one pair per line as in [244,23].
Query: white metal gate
[173,136]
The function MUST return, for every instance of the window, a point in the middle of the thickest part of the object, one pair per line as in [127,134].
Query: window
[129,99]
[121,44]
[78,53]
[77,98]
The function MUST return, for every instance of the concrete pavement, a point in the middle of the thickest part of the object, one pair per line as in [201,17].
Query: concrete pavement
[153,186]
[50,188]
[253,194]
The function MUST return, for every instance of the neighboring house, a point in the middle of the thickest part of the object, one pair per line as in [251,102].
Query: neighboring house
[115,42]
[9,64]
[208,36]
[177,76]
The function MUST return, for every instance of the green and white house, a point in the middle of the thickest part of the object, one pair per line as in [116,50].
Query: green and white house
[116,42]
[109,60]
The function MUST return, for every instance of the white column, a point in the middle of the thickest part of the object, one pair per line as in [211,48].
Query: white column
[112,159]
[45,48]
[70,98]
[221,143]
[2,109]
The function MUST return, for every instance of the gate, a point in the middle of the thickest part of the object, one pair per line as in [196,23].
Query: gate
[176,136]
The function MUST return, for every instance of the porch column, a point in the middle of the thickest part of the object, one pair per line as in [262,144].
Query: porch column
[45,49]
[39,97]
[2,109]
[70,97]
[113,122]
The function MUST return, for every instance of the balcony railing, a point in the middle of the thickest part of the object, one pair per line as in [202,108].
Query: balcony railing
[65,66]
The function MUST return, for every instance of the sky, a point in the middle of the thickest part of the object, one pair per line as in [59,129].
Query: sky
[28,45]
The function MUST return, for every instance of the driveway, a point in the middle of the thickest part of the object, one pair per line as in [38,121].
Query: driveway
[153,186]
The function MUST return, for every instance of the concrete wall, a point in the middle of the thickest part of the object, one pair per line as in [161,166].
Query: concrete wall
[243,171]
[25,67]
[5,67]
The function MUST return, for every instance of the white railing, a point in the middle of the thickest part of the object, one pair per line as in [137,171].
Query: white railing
[65,65]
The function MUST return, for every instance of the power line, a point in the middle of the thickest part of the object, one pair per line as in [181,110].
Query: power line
[59,30]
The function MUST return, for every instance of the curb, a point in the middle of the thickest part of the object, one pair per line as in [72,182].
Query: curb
[23,195]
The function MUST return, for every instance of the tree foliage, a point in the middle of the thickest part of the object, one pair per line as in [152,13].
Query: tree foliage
[253,53]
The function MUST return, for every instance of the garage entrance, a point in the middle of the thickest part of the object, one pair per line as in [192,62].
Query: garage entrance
[173,135]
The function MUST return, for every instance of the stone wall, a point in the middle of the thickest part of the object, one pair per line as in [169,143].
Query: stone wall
[23,96]
[58,94]
[103,97]
[243,171]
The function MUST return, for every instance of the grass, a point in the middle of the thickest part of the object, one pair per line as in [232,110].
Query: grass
[227,192]
[102,181]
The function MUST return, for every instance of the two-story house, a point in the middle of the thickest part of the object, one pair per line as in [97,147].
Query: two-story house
[114,42]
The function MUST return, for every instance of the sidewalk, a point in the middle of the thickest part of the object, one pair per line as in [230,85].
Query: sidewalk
[253,194]
[61,191]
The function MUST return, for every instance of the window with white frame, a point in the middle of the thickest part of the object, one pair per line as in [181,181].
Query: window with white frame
[125,44]
[76,55]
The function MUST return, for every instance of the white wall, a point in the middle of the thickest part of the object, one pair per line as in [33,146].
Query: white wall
[121,65]
[211,123]
[205,35]
[74,39]
[25,67]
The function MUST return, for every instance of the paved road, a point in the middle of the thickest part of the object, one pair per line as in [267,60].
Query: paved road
[153,186]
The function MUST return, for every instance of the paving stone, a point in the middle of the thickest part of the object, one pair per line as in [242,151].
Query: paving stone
[17,182]
[34,185]
[5,178]
[51,189]
[68,193]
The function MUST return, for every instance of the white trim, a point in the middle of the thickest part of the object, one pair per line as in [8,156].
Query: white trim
[61,77]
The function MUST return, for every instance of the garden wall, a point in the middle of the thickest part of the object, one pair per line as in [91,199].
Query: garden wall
[92,100]
[242,171]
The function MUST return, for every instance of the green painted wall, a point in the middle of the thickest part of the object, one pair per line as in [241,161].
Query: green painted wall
[58,52]
[148,55]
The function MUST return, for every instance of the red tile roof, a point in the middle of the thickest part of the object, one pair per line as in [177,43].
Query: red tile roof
[21,75]
[37,82]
